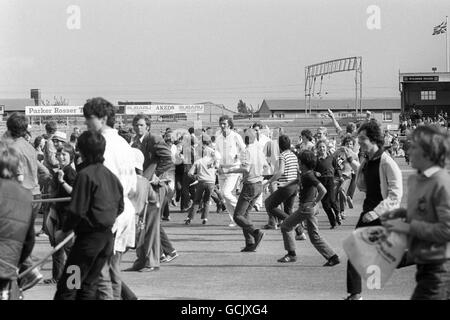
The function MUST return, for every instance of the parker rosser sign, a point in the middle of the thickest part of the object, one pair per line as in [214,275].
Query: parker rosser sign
[164,108]
[54,110]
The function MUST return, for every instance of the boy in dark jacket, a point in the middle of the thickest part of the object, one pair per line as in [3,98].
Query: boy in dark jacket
[97,200]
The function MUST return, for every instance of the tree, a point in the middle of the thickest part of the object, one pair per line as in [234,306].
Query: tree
[242,107]
[57,101]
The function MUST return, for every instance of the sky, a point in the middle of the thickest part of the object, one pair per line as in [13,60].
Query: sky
[191,51]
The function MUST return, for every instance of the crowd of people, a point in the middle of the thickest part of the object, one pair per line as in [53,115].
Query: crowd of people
[112,187]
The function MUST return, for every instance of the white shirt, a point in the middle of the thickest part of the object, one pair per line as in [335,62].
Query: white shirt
[119,160]
[230,147]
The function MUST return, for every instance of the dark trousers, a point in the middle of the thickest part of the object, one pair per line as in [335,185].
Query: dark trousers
[354,285]
[218,199]
[179,173]
[328,202]
[433,281]
[352,186]
[202,196]
[247,198]
[59,260]
[187,192]
[90,252]
[283,195]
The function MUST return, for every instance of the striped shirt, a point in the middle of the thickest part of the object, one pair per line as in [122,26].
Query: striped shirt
[290,167]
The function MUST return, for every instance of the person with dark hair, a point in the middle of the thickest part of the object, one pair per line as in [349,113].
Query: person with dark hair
[97,201]
[287,178]
[204,170]
[141,126]
[252,166]
[346,158]
[306,141]
[311,192]
[27,175]
[39,144]
[49,149]
[230,145]
[17,224]
[64,180]
[381,179]
[327,168]
[261,140]
[100,117]
[158,165]
[426,220]
[126,135]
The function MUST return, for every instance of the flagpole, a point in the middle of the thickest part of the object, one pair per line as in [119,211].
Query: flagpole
[446,43]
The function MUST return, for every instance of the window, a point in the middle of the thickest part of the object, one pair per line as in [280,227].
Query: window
[387,115]
[428,95]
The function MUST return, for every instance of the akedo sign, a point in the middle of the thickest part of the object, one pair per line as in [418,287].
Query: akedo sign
[164,108]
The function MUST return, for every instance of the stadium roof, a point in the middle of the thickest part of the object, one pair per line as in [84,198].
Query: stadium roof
[16,104]
[335,104]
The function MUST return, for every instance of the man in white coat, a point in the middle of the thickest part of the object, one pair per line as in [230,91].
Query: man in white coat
[100,116]
[260,141]
[230,145]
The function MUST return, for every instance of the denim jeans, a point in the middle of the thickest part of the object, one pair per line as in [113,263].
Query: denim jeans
[433,281]
[283,195]
[329,201]
[203,193]
[90,252]
[246,201]
[341,193]
[306,213]
[110,284]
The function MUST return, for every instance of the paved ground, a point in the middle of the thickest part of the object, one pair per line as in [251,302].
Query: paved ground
[210,265]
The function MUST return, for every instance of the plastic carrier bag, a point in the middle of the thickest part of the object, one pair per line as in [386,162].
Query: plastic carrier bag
[375,252]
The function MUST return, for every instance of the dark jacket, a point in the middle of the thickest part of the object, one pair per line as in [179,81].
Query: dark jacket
[16,227]
[157,154]
[97,200]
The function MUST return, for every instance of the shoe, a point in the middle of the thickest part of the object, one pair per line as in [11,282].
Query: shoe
[287,258]
[166,218]
[149,269]
[50,281]
[30,280]
[300,237]
[258,238]
[334,260]
[350,202]
[355,296]
[343,216]
[163,258]
[332,227]
[171,256]
[256,208]
[270,227]
[338,221]
[173,203]
[232,225]
[187,221]
[132,269]
[248,248]
[204,221]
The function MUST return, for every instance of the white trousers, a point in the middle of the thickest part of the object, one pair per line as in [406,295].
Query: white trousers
[227,184]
